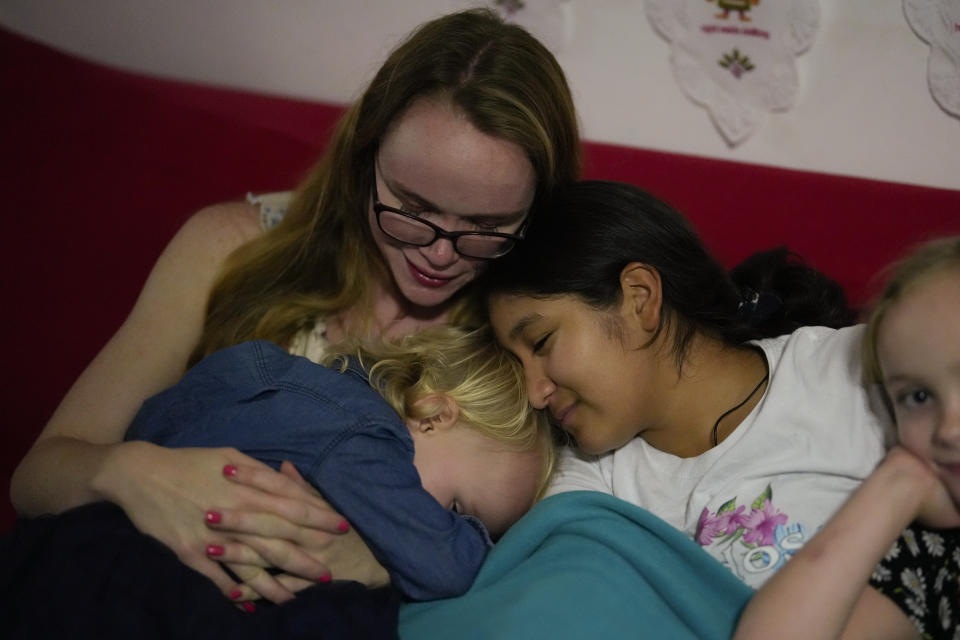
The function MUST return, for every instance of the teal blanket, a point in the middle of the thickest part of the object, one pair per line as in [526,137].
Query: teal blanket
[587,565]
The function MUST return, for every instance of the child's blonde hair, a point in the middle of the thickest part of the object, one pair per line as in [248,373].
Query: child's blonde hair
[470,368]
[925,261]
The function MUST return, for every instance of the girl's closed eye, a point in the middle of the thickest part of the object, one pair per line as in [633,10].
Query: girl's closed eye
[539,345]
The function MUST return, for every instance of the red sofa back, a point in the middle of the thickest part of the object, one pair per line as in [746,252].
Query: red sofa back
[100,167]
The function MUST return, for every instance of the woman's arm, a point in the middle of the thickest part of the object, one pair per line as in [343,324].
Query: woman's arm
[822,591]
[70,462]
[80,456]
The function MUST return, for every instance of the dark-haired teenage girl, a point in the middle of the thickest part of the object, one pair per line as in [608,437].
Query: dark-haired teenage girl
[730,406]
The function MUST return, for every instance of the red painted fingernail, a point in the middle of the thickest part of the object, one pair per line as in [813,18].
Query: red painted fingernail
[235,594]
[324,578]
[229,470]
[213,517]
[344,526]
[249,607]
[214,550]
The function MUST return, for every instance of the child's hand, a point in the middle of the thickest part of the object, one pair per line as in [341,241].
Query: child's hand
[937,508]
[939,511]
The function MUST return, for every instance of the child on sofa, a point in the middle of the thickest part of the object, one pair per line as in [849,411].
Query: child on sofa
[912,350]
[688,395]
[898,529]
[466,454]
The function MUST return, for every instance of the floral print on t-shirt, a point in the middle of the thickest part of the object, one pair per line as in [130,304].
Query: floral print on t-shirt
[750,541]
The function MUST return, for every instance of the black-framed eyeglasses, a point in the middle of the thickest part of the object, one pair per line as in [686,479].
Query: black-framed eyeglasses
[410,229]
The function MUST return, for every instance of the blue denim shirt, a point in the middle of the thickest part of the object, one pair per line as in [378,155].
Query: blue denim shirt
[343,438]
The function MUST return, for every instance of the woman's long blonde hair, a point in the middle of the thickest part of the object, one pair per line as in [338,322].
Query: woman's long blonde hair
[321,259]
[467,366]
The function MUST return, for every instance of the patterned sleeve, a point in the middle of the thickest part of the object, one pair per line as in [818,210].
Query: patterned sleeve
[273,206]
[920,574]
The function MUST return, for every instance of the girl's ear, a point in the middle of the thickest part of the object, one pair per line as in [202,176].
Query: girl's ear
[444,413]
[642,295]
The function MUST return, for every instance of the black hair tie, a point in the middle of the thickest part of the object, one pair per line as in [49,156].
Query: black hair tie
[756,307]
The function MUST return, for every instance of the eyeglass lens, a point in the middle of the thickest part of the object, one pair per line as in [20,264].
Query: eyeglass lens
[419,233]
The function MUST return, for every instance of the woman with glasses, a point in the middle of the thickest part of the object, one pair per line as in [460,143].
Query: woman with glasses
[428,177]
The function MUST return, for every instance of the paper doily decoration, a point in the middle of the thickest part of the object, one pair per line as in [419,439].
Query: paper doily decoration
[550,21]
[937,22]
[737,58]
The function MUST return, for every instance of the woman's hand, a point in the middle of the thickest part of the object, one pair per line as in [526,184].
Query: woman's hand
[176,489]
[301,535]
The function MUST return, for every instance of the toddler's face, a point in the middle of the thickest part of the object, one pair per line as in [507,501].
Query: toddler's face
[473,474]
[918,346]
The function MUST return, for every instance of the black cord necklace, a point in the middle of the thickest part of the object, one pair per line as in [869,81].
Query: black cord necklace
[716,425]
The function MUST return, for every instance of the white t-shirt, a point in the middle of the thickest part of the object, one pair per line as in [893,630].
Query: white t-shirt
[771,484]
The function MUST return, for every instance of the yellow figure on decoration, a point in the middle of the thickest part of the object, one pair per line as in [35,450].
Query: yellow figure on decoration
[742,6]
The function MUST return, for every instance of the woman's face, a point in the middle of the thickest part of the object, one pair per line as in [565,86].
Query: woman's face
[434,163]
[918,346]
[577,366]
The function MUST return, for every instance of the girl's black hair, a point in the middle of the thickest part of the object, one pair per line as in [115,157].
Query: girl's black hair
[581,239]
[804,296]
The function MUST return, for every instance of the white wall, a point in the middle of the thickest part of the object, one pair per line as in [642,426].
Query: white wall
[864,107]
